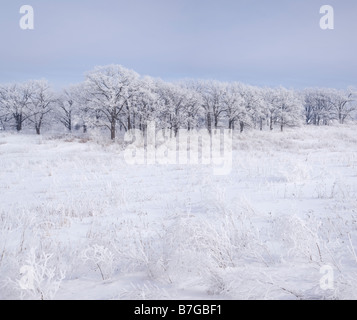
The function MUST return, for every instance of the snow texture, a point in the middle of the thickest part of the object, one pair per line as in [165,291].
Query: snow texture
[78,222]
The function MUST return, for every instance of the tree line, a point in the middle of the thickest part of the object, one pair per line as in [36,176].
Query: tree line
[117,98]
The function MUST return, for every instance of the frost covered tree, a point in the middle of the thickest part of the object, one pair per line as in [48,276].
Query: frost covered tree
[113,96]
[15,100]
[256,98]
[233,102]
[282,107]
[4,112]
[109,90]
[83,109]
[149,104]
[271,106]
[193,105]
[68,106]
[343,104]
[212,93]
[181,106]
[4,118]
[290,108]
[317,106]
[42,103]
[173,99]
[251,106]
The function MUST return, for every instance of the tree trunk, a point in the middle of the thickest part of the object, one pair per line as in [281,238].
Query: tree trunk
[141,123]
[271,123]
[18,122]
[209,122]
[112,129]
[129,123]
[38,125]
[215,121]
[70,121]
[241,125]
[230,124]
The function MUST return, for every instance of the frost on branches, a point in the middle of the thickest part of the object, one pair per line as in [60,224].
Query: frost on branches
[118,99]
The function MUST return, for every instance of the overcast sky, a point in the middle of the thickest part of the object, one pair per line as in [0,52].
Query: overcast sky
[275,42]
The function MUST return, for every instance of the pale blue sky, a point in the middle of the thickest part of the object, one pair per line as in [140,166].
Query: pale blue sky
[275,42]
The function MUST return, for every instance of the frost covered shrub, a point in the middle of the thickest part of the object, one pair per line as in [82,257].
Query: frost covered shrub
[101,259]
[205,246]
[140,250]
[39,279]
[300,238]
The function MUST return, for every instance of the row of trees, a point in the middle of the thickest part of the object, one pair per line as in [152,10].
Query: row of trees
[116,98]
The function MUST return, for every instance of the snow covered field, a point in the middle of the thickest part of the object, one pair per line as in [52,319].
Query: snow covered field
[77,222]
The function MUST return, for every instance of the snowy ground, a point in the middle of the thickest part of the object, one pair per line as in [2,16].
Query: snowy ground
[77,222]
